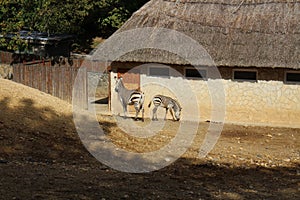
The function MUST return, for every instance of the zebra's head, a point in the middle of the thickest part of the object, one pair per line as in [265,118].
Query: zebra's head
[177,112]
[118,84]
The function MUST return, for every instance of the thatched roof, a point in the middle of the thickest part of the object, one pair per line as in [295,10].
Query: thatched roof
[246,33]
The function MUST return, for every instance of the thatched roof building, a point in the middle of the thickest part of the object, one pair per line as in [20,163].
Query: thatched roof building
[244,33]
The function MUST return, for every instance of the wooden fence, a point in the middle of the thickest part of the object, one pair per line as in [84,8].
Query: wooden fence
[55,80]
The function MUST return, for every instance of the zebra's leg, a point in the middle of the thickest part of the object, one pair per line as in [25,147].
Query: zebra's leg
[172,113]
[166,113]
[142,108]
[136,114]
[125,110]
[154,114]
[137,110]
[124,106]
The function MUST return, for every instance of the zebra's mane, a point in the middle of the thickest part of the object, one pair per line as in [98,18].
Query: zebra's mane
[123,86]
[177,105]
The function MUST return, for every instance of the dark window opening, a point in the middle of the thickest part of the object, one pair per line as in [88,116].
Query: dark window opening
[292,77]
[159,71]
[245,75]
[194,73]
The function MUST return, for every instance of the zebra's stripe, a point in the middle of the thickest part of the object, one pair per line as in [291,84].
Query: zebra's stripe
[130,97]
[157,101]
[135,98]
[168,103]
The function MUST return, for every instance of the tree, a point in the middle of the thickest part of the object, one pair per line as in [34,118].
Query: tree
[41,15]
[83,18]
[107,16]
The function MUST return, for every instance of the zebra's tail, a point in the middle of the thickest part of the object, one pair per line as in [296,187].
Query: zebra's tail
[142,99]
[149,104]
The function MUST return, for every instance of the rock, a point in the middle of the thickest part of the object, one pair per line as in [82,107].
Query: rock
[209,158]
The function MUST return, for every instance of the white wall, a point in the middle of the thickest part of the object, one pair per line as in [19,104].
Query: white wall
[263,102]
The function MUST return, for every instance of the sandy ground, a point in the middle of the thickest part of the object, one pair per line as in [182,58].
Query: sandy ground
[42,157]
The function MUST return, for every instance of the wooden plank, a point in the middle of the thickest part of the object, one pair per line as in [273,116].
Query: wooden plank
[50,80]
[67,84]
[16,73]
[26,75]
[21,74]
[55,80]
[81,88]
[74,72]
[31,81]
[41,78]
[62,82]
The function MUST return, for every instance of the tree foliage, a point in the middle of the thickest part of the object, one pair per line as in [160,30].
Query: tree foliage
[83,18]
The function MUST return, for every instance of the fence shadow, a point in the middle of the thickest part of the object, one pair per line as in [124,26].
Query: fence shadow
[101,101]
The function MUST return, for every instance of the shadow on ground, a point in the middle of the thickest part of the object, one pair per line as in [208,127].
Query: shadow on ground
[42,157]
[101,101]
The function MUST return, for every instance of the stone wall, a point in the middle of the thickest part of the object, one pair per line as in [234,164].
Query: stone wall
[6,71]
[98,81]
[267,101]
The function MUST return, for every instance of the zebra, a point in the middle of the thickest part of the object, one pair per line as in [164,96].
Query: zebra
[130,97]
[167,103]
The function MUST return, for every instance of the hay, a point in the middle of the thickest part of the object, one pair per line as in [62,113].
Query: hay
[260,33]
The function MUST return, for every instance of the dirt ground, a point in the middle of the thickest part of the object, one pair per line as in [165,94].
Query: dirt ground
[42,157]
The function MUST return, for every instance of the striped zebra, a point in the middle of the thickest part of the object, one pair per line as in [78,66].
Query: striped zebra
[167,103]
[130,97]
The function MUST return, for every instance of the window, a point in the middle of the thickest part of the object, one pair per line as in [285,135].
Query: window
[159,71]
[245,75]
[195,73]
[292,77]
